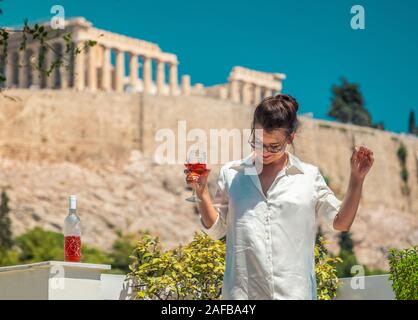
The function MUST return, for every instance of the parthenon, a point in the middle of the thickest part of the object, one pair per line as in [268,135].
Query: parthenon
[119,63]
[248,86]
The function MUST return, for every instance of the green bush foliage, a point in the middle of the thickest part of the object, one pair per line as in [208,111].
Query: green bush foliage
[38,245]
[196,270]
[404,273]
[326,273]
[6,240]
[192,272]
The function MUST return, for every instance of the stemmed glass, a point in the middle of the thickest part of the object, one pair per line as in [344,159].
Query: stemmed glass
[196,164]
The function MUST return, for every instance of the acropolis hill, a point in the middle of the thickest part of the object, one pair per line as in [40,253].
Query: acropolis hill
[90,131]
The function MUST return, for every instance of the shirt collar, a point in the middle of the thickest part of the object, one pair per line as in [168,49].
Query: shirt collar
[294,165]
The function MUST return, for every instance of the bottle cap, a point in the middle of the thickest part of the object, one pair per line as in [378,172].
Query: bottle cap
[73,202]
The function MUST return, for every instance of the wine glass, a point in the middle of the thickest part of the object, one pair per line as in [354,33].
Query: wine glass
[196,164]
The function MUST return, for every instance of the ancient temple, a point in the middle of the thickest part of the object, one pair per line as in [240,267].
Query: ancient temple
[123,64]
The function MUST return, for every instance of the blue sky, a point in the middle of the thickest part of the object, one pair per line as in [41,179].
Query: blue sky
[310,41]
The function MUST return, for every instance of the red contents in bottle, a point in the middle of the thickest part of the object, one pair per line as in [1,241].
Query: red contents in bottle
[72,248]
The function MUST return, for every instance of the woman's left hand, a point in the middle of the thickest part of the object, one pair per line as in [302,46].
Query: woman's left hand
[361,162]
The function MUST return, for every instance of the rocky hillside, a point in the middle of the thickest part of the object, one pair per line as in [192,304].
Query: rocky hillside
[142,195]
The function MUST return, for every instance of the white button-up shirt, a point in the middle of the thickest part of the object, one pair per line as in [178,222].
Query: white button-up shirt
[270,239]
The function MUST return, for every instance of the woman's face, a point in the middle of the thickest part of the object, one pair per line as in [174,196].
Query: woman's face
[276,140]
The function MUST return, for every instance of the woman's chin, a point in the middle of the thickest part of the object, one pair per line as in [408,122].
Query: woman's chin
[267,160]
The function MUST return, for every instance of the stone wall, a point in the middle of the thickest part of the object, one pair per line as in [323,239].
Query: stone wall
[55,126]
[102,128]
[100,147]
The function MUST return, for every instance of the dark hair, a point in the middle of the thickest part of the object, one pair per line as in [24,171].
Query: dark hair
[276,112]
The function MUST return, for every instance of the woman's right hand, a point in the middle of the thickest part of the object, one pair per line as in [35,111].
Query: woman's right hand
[198,182]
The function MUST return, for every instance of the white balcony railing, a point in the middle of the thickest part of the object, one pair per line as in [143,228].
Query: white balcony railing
[56,280]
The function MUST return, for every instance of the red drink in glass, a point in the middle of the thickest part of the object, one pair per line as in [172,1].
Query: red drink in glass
[197,168]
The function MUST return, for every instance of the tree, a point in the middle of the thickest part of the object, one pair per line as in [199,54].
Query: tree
[346,242]
[40,245]
[6,241]
[346,254]
[122,248]
[319,236]
[411,123]
[347,104]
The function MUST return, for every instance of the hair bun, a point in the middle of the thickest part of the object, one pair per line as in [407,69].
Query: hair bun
[289,101]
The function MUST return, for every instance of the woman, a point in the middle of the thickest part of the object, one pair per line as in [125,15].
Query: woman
[269,218]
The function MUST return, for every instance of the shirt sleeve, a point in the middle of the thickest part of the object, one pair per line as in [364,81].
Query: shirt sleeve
[327,204]
[220,202]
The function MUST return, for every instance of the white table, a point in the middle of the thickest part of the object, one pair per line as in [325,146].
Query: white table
[52,280]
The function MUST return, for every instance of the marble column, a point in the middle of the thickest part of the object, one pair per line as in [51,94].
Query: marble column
[119,70]
[267,92]
[223,93]
[22,69]
[234,91]
[63,71]
[257,94]
[106,70]
[185,84]
[49,60]
[64,75]
[79,69]
[246,93]
[133,70]
[160,77]
[91,69]
[173,78]
[3,72]
[9,70]
[36,75]
[147,74]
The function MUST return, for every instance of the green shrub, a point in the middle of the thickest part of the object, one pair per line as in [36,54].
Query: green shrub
[6,241]
[326,273]
[404,174]
[192,272]
[39,245]
[8,257]
[402,153]
[346,254]
[121,250]
[348,261]
[404,273]
[196,270]
[94,255]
